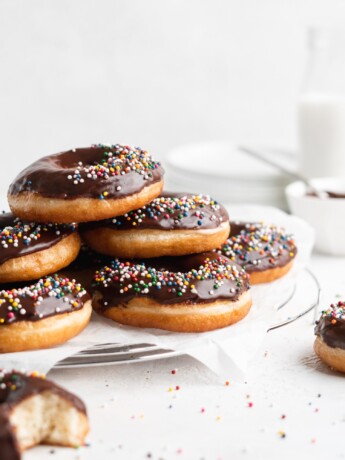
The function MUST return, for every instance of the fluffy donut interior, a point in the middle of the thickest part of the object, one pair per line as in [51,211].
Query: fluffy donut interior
[47,418]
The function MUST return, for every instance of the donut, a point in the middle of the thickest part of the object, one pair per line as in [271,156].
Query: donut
[171,225]
[329,344]
[194,293]
[34,411]
[86,184]
[29,250]
[83,268]
[266,252]
[42,315]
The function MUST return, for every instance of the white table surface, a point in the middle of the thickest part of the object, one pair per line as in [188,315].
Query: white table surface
[135,415]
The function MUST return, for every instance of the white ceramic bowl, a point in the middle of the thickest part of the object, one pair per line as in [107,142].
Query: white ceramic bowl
[327,216]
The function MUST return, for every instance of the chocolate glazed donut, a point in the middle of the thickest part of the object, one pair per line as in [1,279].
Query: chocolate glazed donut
[55,407]
[266,252]
[172,224]
[192,293]
[29,250]
[42,315]
[86,184]
[329,344]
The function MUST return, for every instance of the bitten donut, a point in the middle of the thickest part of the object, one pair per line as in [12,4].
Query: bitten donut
[192,293]
[86,184]
[329,344]
[171,225]
[34,411]
[29,250]
[47,313]
[266,252]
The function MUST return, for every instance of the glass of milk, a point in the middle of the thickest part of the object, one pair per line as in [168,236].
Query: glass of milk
[321,111]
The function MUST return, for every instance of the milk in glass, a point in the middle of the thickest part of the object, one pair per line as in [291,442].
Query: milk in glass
[321,111]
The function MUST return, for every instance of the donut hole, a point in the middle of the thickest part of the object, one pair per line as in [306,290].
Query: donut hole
[47,418]
[88,157]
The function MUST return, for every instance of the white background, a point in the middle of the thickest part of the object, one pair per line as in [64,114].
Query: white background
[154,73]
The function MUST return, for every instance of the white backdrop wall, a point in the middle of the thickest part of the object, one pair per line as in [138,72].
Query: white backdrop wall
[154,73]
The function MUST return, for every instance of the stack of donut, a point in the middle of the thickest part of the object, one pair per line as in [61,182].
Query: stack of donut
[149,258]
[92,227]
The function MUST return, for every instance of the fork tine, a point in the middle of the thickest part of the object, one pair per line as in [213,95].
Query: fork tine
[113,358]
[114,348]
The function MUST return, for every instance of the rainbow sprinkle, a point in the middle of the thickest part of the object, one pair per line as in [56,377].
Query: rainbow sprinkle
[141,280]
[117,160]
[175,210]
[15,303]
[28,232]
[256,242]
[336,311]
[10,380]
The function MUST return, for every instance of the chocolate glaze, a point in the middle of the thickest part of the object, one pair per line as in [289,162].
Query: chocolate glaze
[15,387]
[331,331]
[9,448]
[84,266]
[18,238]
[33,302]
[257,247]
[49,175]
[112,291]
[170,211]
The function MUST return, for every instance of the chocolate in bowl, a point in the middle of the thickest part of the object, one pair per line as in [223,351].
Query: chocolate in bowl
[328,194]
[326,216]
